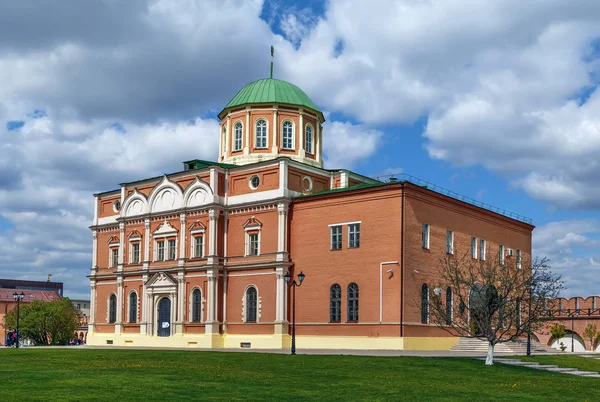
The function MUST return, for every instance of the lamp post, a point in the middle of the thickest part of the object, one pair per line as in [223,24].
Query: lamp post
[529,320]
[18,298]
[575,314]
[294,285]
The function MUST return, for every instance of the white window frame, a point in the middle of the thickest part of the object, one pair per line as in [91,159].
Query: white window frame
[356,243]
[449,242]
[518,258]
[137,311]
[156,253]
[196,234]
[235,142]
[111,249]
[293,146]
[482,249]
[312,139]
[474,247]
[501,254]
[425,231]
[340,242]
[191,306]
[266,133]
[245,304]
[247,230]
[132,241]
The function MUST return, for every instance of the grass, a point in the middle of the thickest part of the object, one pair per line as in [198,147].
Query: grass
[38,374]
[578,362]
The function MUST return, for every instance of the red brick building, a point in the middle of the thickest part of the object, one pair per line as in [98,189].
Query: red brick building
[197,258]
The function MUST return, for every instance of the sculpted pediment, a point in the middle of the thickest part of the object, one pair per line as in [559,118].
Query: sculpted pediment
[161,280]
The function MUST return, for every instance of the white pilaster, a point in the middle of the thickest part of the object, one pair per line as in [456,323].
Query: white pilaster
[212,325]
[180,303]
[247,132]
[228,136]
[301,150]
[182,238]
[95,210]
[146,243]
[118,324]
[343,179]
[93,302]
[121,246]
[144,306]
[318,142]
[214,183]
[283,175]
[94,251]
[282,231]
[213,215]
[274,147]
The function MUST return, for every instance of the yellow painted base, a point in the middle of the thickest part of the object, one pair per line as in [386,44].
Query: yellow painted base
[274,341]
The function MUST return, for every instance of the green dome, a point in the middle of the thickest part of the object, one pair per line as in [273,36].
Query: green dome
[270,90]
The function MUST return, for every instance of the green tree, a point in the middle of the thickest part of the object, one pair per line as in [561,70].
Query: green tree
[558,331]
[46,323]
[590,333]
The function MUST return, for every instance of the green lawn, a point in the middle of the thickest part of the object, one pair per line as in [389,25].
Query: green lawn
[578,362]
[127,375]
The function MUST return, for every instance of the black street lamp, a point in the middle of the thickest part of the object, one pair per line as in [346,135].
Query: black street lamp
[294,285]
[529,320]
[18,298]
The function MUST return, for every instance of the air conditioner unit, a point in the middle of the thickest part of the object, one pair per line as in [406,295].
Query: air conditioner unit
[509,252]
[437,291]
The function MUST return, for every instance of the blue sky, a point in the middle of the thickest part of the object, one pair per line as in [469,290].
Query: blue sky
[497,105]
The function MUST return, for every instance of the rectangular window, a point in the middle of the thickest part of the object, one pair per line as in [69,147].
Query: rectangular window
[135,253]
[425,236]
[336,237]
[482,249]
[199,246]
[501,255]
[78,306]
[160,250]
[518,258]
[171,249]
[473,247]
[449,242]
[114,257]
[354,235]
[253,238]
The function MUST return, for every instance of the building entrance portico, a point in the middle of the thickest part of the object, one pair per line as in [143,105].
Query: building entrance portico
[161,293]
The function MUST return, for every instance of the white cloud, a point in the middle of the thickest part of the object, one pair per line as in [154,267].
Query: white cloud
[346,144]
[559,240]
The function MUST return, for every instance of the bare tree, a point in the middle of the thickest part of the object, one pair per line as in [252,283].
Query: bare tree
[492,300]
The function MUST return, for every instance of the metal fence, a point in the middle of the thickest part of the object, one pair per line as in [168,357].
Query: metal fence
[430,186]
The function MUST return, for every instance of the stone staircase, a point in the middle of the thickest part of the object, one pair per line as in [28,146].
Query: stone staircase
[519,347]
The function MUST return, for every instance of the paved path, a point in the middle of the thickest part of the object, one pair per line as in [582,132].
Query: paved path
[353,352]
[547,367]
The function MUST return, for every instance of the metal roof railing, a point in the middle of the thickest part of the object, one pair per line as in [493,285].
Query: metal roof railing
[419,182]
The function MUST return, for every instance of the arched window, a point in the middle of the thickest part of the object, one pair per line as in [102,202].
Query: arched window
[112,309]
[133,307]
[288,135]
[196,305]
[424,304]
[308,139]
[261,134]
[335,303]
[237,141]
[353,302]
[448,306]
[251,304]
